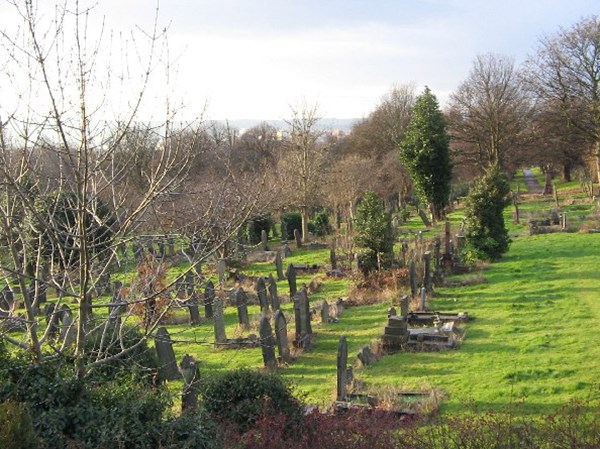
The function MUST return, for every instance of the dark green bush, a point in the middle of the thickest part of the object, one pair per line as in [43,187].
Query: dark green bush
[487,236]
[16,427]
[289,222]
[255,227]
[321,224]
[373,233]
[241,397]
[190,431]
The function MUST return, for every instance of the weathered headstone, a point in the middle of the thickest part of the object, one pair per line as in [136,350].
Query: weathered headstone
[219,321]
[267,343]
[191,378]
[391,312]
[342,366]
[261,292]
[209,297]
[404,306]
[325,312]
[412,278]
[273,293]
[366,356]
[221,270]
[282,337]
[423,304]
[302,319]
[287,252]
[339,307]
[192,304]
[68,328]
[279,267]
[291,278]
[166,355]
[264,241]
[427,271]
[241,302]
[298,238]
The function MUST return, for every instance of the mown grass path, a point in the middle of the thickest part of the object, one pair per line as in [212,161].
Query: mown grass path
[534,343]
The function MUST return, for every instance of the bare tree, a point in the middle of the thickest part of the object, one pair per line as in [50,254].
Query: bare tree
[489,114]
[566,70]
[302,162]
[81,175]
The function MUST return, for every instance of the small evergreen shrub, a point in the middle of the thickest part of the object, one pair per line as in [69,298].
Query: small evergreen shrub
[242,396]
[487,236]
[289,222]
[16,427]
[321,223]
[255,227]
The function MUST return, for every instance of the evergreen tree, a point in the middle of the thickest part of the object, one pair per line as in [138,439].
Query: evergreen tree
[373,233]
[425,153]
[487,237]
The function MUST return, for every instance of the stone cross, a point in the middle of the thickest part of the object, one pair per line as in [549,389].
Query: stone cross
[191,378]
[219,321]
[166,356]
[342,369]
[241,302]
[261,291]
[282,337]
[267,343]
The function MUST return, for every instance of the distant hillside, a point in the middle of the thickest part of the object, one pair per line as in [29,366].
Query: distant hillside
[344,124]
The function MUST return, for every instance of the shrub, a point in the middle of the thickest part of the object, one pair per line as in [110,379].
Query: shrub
[255,227]
[289,222]
[487,237]
[16,427]
[190,431]
[321,224]
[242,396]
[373,234]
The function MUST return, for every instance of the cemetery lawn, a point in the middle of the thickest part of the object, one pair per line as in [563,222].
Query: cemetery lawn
[532,346]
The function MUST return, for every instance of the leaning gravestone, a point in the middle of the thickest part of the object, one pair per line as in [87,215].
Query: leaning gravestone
[366,356]
[279,266]
[424,219]
[291,278]
[241,302]
[219,321]
[191,378]
[261,292]
[166,356]
[404,306]
[342,369]
[273,293]
[267,344]
[209,297]
[282,337]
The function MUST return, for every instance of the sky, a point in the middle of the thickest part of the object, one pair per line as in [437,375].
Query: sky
[242,59]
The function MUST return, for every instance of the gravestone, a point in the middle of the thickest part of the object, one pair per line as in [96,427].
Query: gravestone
[68,329]
[241,302]
[221,270]
[422,305]
[412,278]
[261,292]
[333,257]
[366,356]
[287,252]
[404,306]
[298,238]
[273,293]
[460,242]
[279,267]
[192,304]
[264,241]
[209,297]
[267,343]
[339,307]
[291,278]
[282,337]
[427,271]
[325,312]
[166,356]
[342,369]
[219,321]
[424,219]
[302,319]
[437,253]
[191,377]
[395,334]
[116,307]
[189,284]
[391,312]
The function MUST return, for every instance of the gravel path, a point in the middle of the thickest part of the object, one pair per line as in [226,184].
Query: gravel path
[532,185]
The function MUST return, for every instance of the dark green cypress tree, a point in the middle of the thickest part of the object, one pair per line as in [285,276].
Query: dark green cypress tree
[373,233]
[426,155]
